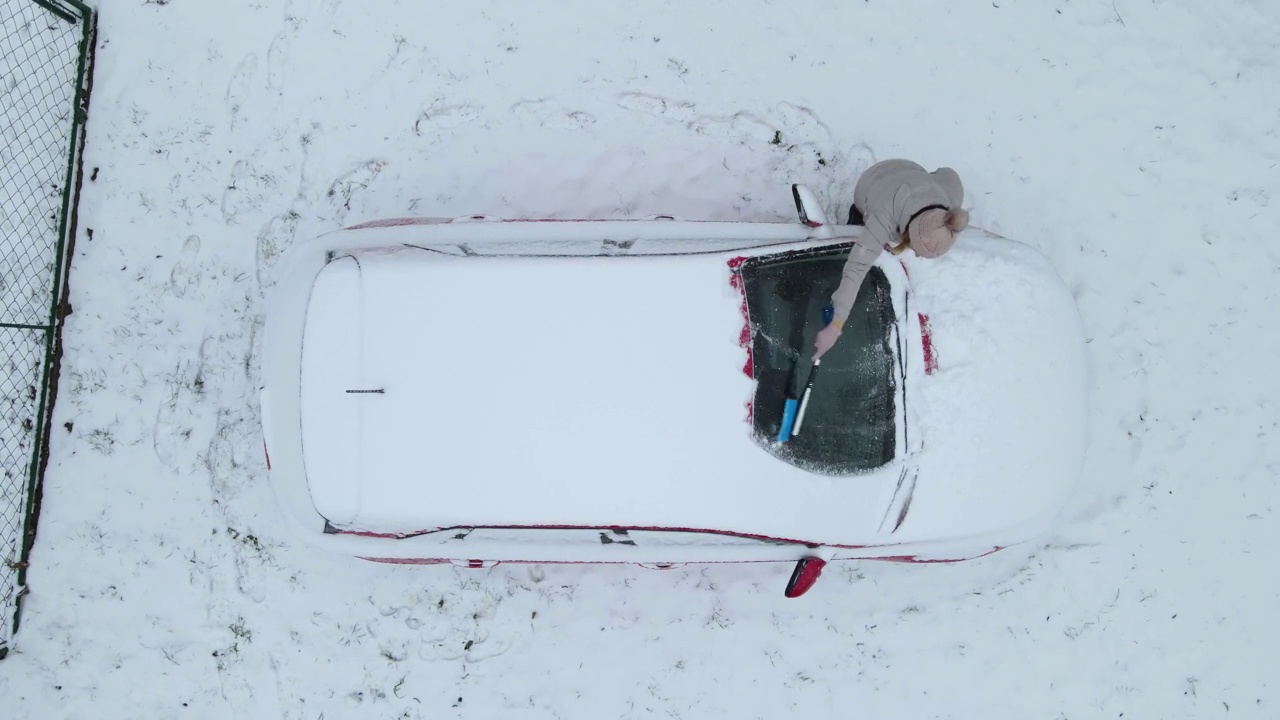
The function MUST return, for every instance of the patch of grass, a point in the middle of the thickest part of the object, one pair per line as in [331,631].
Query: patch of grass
[103,441]
[240,631]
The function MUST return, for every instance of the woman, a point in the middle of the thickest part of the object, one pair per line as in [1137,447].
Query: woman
[902,206]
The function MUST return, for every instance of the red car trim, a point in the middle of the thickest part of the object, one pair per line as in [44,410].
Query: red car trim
[658,566]
[913,559]
[926,339]
[927,561]
[396,222]
[650,528]
[744,337]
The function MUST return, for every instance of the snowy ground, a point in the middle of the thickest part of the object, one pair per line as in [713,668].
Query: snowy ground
[1133,142]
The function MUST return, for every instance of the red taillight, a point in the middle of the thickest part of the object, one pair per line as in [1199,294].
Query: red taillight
[804,576]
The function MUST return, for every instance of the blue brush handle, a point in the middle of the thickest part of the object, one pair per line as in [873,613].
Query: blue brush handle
[788,419]
[792,407]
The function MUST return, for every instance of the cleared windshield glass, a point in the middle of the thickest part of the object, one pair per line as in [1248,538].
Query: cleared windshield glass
[849,426]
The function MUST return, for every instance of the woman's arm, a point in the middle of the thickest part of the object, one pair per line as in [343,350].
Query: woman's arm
[863,254]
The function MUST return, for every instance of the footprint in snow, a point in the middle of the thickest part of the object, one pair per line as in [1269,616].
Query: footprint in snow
[804,136]
[795,129]
[277,59]
[546,113]
[858,158]
[225,458]
[803,124]
[176,418]
[341,190]
[234,191]
[743,127]
[658,107]
[439,118]
[270,176]
[238,88]
[792,126]
[274,238]
[801,127]
[469,628]
[183,273]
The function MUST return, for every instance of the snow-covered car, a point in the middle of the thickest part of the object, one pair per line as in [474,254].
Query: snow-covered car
[475,391]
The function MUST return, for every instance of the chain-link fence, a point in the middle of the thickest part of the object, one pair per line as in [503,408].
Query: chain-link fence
[46,49]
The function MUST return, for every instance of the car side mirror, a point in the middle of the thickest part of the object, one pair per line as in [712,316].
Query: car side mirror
[808,207]
[807,571]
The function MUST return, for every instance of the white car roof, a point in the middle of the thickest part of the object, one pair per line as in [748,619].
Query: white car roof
[441,391]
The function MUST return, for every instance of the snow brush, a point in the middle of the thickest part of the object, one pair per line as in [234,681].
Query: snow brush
[789,409]
[796,404]
[804,399]
[794,409]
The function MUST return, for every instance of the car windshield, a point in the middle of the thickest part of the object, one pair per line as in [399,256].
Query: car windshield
[849,424]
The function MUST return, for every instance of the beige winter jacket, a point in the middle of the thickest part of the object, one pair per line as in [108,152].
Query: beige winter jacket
[889,194]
